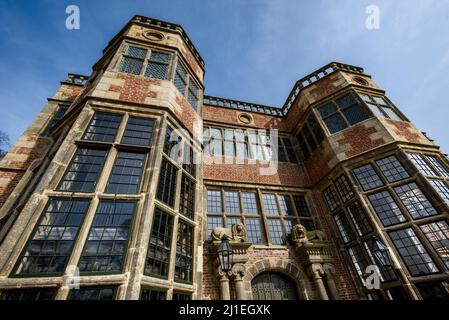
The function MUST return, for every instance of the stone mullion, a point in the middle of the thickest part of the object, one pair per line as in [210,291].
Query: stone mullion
[143,231]
[263,217]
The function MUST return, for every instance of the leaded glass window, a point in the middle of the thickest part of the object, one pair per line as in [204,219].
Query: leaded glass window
[285,204]
[126,173]
[167,183]
[193,94]
[438,235]
[344,227]
[439,166]
[276,233]
[232,202]
[421,164]
[50,245]
[184,253]
[415,201]
[83,172]
[386,208]
[380,107]
[331,198]
[367,177]
[343,188]
[133,60]
[158,255]
[392,169]
[59,114]
[359,261]
[180,296]
[254,231]
[441,188]
[92,293]
[157,66]
[358,217]
[172,144]
[189,164]
[250,203]
[103,127]
[270,205]
[214,201]
[180,80]
[386,273]
[187,197]
[138,131]
[413,253]
[107,242]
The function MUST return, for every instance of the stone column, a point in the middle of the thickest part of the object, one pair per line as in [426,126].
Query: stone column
[238,271]
[329,270]
[224,286]
[317,271]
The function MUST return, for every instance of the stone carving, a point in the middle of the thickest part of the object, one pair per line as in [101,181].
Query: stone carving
[237,232]
[300,235]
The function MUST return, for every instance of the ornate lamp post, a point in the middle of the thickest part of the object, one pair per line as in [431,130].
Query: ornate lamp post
[225,254]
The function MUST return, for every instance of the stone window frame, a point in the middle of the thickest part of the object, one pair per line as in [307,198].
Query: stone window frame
[123,52]
[249,148]
[262,215]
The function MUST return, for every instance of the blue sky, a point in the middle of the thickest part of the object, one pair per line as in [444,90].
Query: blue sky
[254,50]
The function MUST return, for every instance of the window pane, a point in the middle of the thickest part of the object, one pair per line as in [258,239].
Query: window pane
[107,243]
[51,243]
[335,123]
[214,201]
[391,113]
[184,253]
[156,70]
[386,208]
[153,294]
[83,172]
[386,273]
[331,198]
[138,131]
[438,165]
[367,177]
[27,294]
[249,203]
[172,144]
[441,188]
[392,169]
[345,101]
[103,127]
[158,256]
[359,261]
[58,115]
[421,165]
[376,110]
[190,160]
[301,206]
[276,232]
[270,206]
[92,293]
[232,202]
[327,110]
[126,173]
[137,52]
[438,235]
[355,114]
[232,220]
[343,188]
[180,80]
[254,231]
[413,253]
[415,201]
[187,197]
[285,204]
[344,227]
[290,151]
[358,217]
[167,183]
[131,65]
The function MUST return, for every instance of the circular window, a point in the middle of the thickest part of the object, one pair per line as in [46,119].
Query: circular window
[153,35]
[245,118]
[360,80]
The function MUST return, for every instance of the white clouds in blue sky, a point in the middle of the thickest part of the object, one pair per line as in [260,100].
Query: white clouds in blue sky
[254,50]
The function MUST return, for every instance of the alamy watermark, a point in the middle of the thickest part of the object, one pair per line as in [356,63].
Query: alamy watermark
[372,22]
[73,21]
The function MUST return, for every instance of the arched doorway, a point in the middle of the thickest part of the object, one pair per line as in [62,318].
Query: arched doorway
[273,286]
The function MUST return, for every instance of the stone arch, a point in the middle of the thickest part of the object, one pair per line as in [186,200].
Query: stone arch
[284,267]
